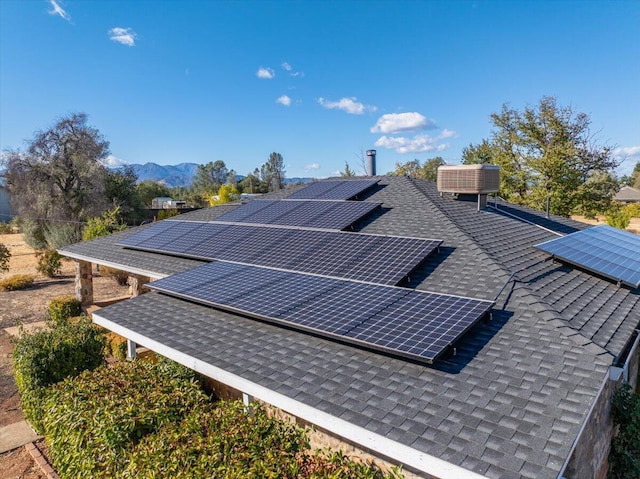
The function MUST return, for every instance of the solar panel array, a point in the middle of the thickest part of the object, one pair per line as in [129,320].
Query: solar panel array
[333,190]
[405,322]
[610,252]
[336,215]
[359,256]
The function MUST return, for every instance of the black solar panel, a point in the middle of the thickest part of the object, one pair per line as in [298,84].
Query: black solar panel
[313,214]
[333,190]
[359,256]
[400,321]
[607,251]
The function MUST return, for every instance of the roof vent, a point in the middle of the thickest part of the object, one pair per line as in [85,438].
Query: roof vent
[469,179]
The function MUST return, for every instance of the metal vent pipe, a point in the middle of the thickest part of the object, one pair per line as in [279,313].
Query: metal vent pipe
[371,162]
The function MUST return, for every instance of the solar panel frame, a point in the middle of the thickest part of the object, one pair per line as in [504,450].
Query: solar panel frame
[333,189]
[325,252]
[603,250]
[328,214]
[403,322]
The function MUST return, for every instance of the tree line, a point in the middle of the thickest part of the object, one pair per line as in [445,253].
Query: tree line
[61,182]
[547,155]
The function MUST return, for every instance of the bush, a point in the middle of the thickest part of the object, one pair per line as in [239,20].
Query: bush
[49,263]
[109,223]
[618,218]
[34,234]
[5,256]
[15,282]
[6,228]
[116,346]
[62,308]
[164,214]
[624,458]
[58,234]
[49,356]
[222,441]
[94,419]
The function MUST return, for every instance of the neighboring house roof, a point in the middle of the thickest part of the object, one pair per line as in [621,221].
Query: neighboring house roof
[627,194]
[510,402]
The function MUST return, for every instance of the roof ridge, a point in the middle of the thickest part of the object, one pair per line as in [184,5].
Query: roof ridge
[460,228]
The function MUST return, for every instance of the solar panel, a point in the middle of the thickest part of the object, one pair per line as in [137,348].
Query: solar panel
[604,250]
[373,258]
[410,323]
[333,190]
[313,214]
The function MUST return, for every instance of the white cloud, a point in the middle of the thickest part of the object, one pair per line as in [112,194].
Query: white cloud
[113,161]
[417,144]
[446,133]
[312,166]
[126,36]
[349,105]
[56,9]
[402,122]
[287,67]
[628,156]
[265,73]
[284,100]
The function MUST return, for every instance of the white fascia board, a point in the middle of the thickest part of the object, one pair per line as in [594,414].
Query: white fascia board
[401,453]
[110,264]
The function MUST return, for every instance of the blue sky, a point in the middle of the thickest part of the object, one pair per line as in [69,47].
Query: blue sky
[317,81]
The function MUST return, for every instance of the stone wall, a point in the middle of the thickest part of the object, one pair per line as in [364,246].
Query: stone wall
[590,457]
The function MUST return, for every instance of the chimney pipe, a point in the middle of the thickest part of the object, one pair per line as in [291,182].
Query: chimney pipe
[371,163]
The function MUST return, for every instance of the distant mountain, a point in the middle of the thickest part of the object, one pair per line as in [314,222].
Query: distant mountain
[182,174]
[170,175]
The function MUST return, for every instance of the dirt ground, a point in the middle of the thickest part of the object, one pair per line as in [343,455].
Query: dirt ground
[29,306]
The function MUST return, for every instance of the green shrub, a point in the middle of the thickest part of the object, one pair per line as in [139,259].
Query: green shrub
[222,441]
[34,234]
[58,234]
[624,458]
[93,420]
[5,256]
[62,308]
[164,214]
[116,346]
[46,357]
[15,282]
[619,218]
[49,263]
[109,223]
[6,228]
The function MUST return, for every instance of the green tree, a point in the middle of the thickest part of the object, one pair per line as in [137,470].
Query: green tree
[107,224]
[413,168]
[251,183]
[60,181]
[226,194]
[122,193]
[148,190]
[272,172]
[634,179]
[348,172]
[209,177]
[546,152]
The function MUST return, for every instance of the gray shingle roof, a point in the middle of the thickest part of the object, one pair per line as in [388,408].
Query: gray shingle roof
[511,401]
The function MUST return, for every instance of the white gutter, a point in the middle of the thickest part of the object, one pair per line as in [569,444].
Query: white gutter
[110,264]
[401,453]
